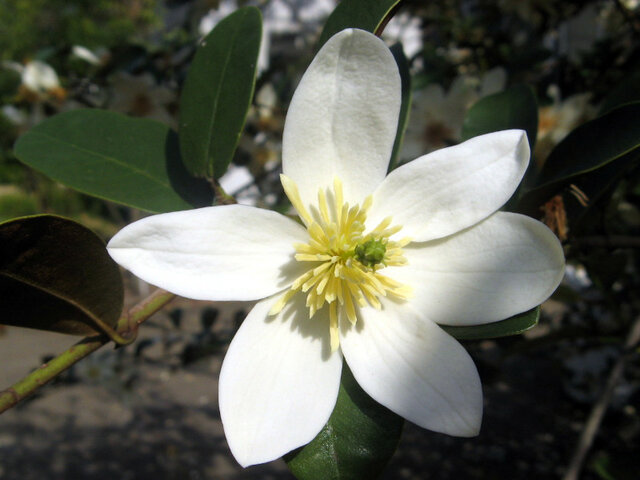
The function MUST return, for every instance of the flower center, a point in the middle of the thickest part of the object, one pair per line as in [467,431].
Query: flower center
[345,262]
[371,252]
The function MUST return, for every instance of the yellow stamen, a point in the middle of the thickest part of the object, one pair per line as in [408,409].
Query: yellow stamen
[346,262]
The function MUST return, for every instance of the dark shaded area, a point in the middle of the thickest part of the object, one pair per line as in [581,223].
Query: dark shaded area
[530,429]
[196,191]
[156,444]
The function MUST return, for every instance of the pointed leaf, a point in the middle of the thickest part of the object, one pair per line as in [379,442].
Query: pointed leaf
[56,275]
[217,93]
[504,328]
[362,14]
[582,208]
[594,144]
[587,148]
[131,161]
[515,107]
[357,441]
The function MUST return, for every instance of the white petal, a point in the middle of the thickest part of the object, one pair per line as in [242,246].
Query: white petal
[505,265]
[279,382]
[343,117]
[411,366]
[229,252]
[453,188]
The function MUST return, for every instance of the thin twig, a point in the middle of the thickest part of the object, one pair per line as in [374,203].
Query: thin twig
[592,425]
[127,326]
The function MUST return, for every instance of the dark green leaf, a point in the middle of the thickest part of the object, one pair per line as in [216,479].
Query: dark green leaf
[57,275]
[594,144]
[511,326]
[131,161]
[405,79]
[627,91]
[363,14]
[515,107]
[587,148]
[597,187]
[356,443]
[217,93]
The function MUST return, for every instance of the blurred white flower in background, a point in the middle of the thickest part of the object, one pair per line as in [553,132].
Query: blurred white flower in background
[557,120]
[578,34]
[437,115]
[16,116]
[39,85]
[141,96]
[39,81]
[95,57]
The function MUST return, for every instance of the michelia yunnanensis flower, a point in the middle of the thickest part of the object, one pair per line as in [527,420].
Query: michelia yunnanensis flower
[377,262]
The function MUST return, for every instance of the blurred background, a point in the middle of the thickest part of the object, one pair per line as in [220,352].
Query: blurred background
[149,411]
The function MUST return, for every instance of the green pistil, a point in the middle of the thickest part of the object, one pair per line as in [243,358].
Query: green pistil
[371,252]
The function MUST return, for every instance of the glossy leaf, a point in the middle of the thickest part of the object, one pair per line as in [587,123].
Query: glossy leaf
[594,144]
[515,107]
[357,441]
[56,275]
[587,148]
[362,14]
[131,161]
[403,118]
[217,93]
[504,328]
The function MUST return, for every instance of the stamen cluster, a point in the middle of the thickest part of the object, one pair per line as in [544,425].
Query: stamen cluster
[345,262]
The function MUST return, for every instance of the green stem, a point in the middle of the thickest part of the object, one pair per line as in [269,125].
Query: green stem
[127,327]
[222,197]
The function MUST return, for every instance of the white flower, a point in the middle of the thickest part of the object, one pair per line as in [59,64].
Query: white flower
[141,96]
[557,120]
[437,116]
[39,80]
[40,77]
[96,58]
[378,263]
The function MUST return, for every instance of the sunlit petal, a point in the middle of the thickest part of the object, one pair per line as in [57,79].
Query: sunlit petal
[453,188]
[343,117]
[410,365]
[229,252]
[505,265]
[279,382]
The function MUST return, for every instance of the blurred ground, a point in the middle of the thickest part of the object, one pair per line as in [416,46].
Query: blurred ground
[141,413]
